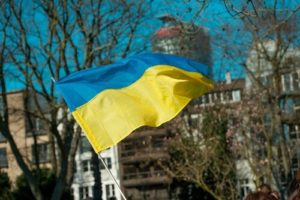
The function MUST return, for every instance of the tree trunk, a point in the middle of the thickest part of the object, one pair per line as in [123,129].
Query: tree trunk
[97,189]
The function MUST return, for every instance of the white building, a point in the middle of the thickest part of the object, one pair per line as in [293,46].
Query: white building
[83,182]
[260,67]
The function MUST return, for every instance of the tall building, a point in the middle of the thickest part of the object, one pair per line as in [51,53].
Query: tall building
[280,79]
[141,176]
[182,39]
[23,135]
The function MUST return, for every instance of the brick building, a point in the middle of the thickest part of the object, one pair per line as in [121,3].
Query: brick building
[24,137]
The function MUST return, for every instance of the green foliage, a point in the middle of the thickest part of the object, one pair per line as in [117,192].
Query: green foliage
[184,190]
[4,186]
[46,180]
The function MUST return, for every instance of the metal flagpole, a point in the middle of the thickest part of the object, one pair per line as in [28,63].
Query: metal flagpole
[112,176]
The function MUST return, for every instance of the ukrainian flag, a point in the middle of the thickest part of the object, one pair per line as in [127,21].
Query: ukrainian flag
[110,102]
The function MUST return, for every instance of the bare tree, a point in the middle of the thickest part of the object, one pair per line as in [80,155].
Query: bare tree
[271,64]
[268,115]
[44,39]
[199,152]
[263,41]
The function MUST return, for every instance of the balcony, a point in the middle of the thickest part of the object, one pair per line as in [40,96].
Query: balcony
[145,178]
[134,155]
[291,118]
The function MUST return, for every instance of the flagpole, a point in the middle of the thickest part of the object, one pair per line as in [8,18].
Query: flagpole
[112,176]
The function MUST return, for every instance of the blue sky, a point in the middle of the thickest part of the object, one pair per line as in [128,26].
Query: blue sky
[213,18]
[223,28]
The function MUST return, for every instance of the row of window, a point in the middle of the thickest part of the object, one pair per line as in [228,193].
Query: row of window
[169,45]
[134,145]
[223,97]
[88,166]
[85,192]
[38,129]
[289,81]
[42,151]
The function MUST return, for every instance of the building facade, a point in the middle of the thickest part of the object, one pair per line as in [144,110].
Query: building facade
[23,133]
[276,74]
[141,176]
[84,179]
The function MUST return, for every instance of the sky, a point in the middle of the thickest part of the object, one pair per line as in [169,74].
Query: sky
[213,17]
[223,28]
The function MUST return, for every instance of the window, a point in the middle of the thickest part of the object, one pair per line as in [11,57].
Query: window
[295,163]
[110,191]
[212,97]
[296,81]
[74,167]
[2,138]
[127,145]
[107,162]
[86,165]
[157,142]
[267,119]
[194,121]
[294,131]
[84,192]
[243,187]
[130,172]
[228,96]
[84,145]
[35,126]
[286,82]
[1,106]
[167,46]
[42,151]
[266,80]
[288,105]
[296,105]
[236,94]
[206,99]
[3,158]
[218,96]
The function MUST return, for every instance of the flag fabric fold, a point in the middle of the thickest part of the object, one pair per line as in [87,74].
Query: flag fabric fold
[111,101]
